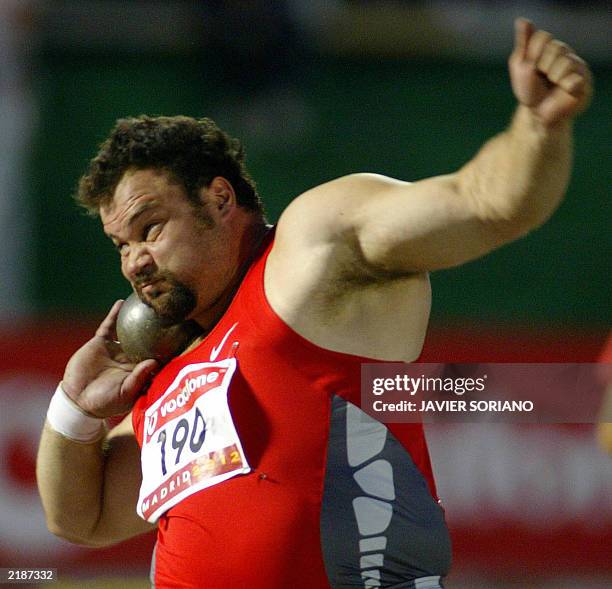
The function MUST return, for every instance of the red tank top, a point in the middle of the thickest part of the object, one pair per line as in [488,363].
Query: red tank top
[262,529]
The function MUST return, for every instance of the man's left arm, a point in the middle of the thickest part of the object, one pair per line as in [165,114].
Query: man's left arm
[511,186]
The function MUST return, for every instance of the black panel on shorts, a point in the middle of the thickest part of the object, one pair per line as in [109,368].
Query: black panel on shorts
[380,526]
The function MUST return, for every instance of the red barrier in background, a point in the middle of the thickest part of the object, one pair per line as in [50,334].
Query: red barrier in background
[520,500]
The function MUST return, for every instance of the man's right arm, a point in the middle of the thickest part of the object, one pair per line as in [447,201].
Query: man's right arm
[89,479]
[89,490]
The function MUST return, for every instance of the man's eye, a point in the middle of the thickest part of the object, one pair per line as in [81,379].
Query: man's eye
[151,231]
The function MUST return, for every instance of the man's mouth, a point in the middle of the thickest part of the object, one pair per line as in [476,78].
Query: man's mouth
[148,289]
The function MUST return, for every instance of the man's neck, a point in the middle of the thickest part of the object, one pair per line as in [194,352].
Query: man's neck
[250,241]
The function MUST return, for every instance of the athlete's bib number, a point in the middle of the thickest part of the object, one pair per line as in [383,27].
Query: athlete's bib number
[189,439]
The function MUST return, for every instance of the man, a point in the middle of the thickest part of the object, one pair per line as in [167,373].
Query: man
[258,466]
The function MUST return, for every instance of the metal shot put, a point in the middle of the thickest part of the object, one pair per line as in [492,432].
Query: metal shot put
[143,334]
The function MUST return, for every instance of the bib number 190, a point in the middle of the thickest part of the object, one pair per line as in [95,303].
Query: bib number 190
[195,432]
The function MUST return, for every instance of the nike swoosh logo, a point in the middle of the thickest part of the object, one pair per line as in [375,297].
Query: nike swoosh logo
[216,349]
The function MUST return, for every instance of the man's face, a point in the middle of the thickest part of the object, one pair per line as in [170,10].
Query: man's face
[170,250]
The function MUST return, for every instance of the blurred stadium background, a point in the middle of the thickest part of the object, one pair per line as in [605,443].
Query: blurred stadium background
[316,90]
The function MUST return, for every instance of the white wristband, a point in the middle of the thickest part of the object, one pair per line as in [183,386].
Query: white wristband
[67,419]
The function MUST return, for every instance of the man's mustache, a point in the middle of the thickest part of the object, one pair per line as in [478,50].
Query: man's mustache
[149,276]
[145,278]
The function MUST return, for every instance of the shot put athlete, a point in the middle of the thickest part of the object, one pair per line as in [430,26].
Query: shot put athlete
[249,451]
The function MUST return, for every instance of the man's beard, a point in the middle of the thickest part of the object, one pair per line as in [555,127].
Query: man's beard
[174,304]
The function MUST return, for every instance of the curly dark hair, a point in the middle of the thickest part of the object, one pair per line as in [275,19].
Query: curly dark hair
[192,151]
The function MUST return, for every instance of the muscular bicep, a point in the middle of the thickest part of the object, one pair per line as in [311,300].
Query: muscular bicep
[422,226]
[400,227]
[122,477]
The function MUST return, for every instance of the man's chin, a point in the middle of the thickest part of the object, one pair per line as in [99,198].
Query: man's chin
[169,310]
[152,300]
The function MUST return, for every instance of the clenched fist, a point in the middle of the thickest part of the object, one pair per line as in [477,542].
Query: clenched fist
[547,76]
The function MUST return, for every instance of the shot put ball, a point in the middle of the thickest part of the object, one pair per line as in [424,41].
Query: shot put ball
[142,335]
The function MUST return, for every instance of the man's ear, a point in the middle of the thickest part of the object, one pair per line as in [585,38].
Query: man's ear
[220,197]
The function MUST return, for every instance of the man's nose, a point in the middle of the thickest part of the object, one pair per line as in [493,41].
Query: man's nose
[137,261]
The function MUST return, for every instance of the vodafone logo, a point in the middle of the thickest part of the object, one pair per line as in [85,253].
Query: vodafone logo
[190,386]
[181,395]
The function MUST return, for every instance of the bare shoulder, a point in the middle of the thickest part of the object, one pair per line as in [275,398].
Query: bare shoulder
[329,212]
[315,248]
[319,282]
